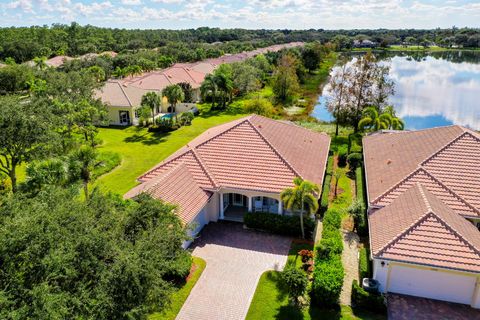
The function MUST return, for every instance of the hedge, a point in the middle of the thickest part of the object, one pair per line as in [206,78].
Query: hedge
[361,195]
[366,300]
[284,225]
[326,186]
[328,270]
[365,266]
[327,281]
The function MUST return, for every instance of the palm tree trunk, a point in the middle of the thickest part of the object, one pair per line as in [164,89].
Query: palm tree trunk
[301,221]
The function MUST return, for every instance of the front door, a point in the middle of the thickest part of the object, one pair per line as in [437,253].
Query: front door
[124,117]
[237,199]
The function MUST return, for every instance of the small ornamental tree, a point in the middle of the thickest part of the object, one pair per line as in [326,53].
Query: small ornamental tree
[296,281]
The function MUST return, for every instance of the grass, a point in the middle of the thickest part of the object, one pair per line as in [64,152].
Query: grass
[270,301]
[179,297]
[293,257]
[141,150]
[326,127]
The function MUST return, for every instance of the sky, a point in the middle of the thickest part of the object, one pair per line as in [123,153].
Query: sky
[250,14]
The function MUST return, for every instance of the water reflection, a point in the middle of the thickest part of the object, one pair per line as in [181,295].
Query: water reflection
[435,90]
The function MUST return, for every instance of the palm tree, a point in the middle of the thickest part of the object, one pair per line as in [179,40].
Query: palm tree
[82,163]
[396,123]
[209,86]
[224,85]
[301,197]
[40,62]
[372,120]
[174,94]
[151,100]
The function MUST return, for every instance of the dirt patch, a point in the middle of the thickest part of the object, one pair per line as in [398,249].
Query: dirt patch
[192,271]
[347,223]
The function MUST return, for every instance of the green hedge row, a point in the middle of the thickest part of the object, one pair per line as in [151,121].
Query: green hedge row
[366,300]
[361,195]
[328,270]
[285,225]
[365,267]
[327,281]
[326,186]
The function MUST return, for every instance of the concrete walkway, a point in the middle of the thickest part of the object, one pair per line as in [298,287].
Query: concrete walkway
[236,258]
[350,265]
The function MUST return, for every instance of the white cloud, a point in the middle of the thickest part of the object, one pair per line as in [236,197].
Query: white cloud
[25,5]
[131,2]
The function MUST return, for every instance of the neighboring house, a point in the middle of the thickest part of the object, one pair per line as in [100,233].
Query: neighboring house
[423,192]
[121,95]
[364,44]
[236,167]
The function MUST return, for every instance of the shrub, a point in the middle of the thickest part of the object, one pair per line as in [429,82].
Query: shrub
[366,300]
[354,160]
[332,218]
[183,264]
[355,143]
[342,156]
[357,211]
[326,186]
[327,281]
[186,118]
[295,281]
[305,254]
[285,225]
[364,264]
[259,106]
[362,228]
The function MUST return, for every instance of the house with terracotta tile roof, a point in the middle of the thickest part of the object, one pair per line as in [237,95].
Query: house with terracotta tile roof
[234,168]
[123,96]
[423,191]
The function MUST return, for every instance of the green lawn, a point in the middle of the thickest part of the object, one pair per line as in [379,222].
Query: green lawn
[271,302]
[293,257]
[141,150]
[179,297]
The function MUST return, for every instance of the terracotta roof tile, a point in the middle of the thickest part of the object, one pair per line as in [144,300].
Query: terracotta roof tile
[434,186]
[177,186]
[253,153]
[390,157]
[418,227]
[457,165]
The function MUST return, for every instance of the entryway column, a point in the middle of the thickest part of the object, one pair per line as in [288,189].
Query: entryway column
[280,207]
[221,206]
[249,204]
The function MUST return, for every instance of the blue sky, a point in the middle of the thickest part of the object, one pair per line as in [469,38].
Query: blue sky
[252,14]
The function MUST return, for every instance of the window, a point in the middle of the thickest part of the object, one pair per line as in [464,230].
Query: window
[137,114]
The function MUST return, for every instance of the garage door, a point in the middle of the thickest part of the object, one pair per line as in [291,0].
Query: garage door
[431,284]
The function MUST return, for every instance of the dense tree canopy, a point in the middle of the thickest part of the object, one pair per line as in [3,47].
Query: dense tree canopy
[63,258]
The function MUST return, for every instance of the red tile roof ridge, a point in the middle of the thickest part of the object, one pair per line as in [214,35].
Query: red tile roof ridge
[425,171]
[163,163]
[124,93]
[462,135]
[428,213]
[272,147]
[223,132]
[145,186]
[204,167]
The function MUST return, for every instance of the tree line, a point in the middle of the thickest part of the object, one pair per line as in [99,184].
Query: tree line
[25,43]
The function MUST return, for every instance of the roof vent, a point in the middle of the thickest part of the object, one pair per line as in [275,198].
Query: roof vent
[389,161]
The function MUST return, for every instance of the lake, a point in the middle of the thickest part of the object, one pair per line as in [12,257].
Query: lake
[431,90]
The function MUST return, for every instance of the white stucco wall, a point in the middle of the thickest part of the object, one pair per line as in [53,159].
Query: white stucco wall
[380,273]
[433,283]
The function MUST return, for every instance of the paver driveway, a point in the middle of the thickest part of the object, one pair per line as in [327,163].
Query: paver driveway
[235,260]
[402,307]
